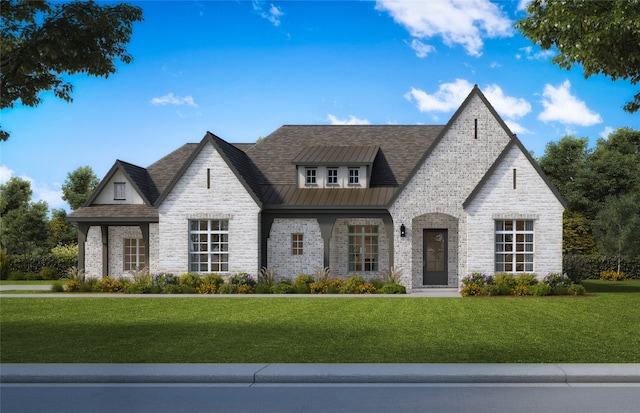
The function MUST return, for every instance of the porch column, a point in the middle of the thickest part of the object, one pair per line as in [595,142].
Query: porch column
[105,250]
[326,223]
[83,230]
[144,228]
[390,230]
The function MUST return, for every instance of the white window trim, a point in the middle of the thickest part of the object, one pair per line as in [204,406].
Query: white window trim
[223,255]
[528,256]
[119,191]
[311,176]
[354,176]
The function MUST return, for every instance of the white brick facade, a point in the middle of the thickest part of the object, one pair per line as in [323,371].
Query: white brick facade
[279,254]
[226,199]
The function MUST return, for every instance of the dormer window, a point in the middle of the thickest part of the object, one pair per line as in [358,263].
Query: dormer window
[354,176]
[311,176]
[332,176]
[119,191]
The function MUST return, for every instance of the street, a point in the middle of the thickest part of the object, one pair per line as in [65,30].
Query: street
[441,398]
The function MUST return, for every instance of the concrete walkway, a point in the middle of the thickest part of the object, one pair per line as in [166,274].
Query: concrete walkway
[251,374]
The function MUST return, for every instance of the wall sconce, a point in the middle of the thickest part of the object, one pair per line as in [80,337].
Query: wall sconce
[403,230]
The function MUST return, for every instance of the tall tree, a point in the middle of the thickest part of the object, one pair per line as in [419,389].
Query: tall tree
[617,227]
[41,42]
[16,192]
[78,186]
[61,232]
[601,36]
[25,230]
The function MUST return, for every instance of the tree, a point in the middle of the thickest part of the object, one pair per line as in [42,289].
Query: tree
[78,186]
[16,192]
[61,232]
[42,42]
[617,227]
[25,230]
[577,237]
[601,36]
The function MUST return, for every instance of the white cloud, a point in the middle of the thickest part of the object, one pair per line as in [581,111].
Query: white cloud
[352,120]
[421,49]
[507,106]
[448,97]
[463,22]
[273,14]
[608,130]
[561,106]
[5,174]
[529,54]
[170,99]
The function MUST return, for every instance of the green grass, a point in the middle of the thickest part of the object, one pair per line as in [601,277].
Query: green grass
[31,282]
[601,328]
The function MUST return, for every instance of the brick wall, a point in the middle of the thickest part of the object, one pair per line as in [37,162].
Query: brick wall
[279,255]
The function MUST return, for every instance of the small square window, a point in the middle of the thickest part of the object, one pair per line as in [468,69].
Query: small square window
[354,176]
[311,176]
[332,176]
[119,191]
[296,244]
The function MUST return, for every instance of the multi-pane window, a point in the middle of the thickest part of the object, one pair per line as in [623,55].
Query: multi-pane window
[209,245]
[119,191]
[311,176]
[514,246]
[354,176]
[332,176]
[134,253]
[363,248]
[296,244]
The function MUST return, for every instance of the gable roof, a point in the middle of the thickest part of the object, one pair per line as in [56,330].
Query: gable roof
[514,142]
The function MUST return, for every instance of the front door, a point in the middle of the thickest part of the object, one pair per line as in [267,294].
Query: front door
[435,257]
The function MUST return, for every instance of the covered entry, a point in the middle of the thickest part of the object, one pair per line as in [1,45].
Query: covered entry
[435,250]
[435,257]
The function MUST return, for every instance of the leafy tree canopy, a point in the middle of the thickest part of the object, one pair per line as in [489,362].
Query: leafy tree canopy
[15,193]
[601,36]
[78,186]
[40,42]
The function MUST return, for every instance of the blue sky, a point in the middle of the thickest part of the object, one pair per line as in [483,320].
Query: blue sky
[241,69]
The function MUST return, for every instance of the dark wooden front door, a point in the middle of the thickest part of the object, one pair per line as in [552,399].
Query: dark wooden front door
[435,257]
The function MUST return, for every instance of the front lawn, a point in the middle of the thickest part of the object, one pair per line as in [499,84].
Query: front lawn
[588,329]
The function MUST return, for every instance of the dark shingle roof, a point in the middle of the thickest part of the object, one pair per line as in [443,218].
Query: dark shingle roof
[330,155]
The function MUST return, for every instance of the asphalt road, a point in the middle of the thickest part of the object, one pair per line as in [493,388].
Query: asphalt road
[441,398]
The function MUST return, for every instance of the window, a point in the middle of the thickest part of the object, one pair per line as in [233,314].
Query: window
[119,192]
[332,176]
[209,245]
[296,244]
[354,176]
[363,248]
[134,253]
[311,176]
[514,246]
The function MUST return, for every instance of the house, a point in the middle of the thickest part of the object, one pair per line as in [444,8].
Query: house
[436,202]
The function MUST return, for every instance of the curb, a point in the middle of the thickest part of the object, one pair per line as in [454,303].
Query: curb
[320,373]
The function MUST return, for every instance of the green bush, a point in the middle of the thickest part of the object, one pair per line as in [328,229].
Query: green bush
[48,273]
[33,264]
[228,288]
[351,285]
[109,285]
[190,280]
[504,282]
[392,289]
[242,279]
[283,287]
[611,275]
[539,290]
[32,276]
[214,279]
[576,289]
[263,288]
[57,287]
[334,285]
[377,282]
[366,288]
[526,279]
[580,267]
[4,265]
[302,284]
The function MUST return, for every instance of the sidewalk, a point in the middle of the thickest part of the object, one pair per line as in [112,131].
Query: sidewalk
[251,374]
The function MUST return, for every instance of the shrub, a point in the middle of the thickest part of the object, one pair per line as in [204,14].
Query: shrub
[262,288]
[245,289]
[190,279]
[141,276]
[214,279]
[32,276]
[489,290]
[611,275]
[377,282]
[163,283]
[267,277]
[71,286]
[504,282]
[477,284]
[242,278]
[318,287]
[109,285]
[576,289]
[526,279]
[334,285]
[228,288]
[392,289]
[351,285]
[470,290]
[48,273]
[539,290]
[366,288]
[283,287]
[73,273]
[207,288]
[136,288]
[322,275]
[16,275]
[57,287]
[4,265]
[392,276]
[303,283]
[520,290]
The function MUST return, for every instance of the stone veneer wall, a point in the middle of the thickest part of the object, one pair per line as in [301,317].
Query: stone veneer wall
[227,198]
[530,200]
[279,254]
[447,177]
[339,257]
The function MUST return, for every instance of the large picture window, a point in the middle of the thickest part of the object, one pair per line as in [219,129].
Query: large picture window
[363,248]
[134,253]
[209,246]
[514,246]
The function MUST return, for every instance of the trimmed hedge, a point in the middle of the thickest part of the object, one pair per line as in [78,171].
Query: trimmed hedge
[28,264]
[583,267]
